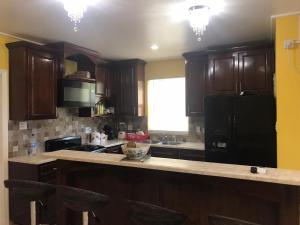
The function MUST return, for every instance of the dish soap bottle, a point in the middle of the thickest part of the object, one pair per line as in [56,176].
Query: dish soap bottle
[33,146]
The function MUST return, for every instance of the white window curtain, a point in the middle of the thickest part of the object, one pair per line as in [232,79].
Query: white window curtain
[166,105]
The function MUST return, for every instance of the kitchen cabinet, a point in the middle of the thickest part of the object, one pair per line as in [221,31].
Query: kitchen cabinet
[194,155]
[162,152]
[177,153]
[196,70]
[128,89]
[33,73]
[241,72]
[241,69]
[20,209]
[256,68]
[103,81]
[222,74]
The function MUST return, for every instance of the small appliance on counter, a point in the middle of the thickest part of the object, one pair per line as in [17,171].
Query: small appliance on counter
[71,143]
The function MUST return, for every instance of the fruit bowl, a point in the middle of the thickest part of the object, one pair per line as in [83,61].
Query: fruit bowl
[139,152]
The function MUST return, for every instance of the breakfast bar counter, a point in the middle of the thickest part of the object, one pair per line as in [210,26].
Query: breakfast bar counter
[198,189]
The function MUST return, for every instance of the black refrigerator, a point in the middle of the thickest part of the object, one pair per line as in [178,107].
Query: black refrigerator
[241,130]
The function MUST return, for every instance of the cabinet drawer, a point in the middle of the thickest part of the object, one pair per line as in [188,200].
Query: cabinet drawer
[195,155]
[171,153]
[47,169]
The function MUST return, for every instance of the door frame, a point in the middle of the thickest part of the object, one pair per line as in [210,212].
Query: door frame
[4,215]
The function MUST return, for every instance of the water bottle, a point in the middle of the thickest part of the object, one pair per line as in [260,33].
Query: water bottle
[33,146]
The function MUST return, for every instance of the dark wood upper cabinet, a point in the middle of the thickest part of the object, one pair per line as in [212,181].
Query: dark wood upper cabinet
[196,70]
[256,72]
[128,91]
[33,73]
[222,74]
[103,81]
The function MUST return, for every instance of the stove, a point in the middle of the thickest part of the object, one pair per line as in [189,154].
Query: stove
[71,143]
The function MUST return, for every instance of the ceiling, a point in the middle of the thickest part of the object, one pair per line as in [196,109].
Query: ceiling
[121,29]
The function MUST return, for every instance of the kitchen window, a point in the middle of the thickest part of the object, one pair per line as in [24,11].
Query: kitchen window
[166,105]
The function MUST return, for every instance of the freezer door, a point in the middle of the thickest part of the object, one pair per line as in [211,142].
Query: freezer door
[254,130]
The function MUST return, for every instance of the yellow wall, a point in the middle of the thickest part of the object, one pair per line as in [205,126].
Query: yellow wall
[288,93]
[4,51]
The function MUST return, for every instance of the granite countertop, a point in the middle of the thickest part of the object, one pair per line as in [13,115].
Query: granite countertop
[33,160]
[277,176]
[183,145]
[40,159]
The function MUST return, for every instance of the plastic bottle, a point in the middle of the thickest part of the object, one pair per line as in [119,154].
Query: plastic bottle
[33,146]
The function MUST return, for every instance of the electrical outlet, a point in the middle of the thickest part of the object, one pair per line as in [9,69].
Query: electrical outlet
[130,127]
[88,130]
[16,148]
[23,125]
[289,44]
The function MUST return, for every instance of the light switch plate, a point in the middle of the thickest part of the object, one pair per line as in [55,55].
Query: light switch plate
[23,125]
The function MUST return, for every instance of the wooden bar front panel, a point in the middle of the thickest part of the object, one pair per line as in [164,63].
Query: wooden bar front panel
[196,196]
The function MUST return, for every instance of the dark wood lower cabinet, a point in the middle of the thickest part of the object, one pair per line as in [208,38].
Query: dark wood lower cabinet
[20,209]
[170,153]
[175,153]
[195,195]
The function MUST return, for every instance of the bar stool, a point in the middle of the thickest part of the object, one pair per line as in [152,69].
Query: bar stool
[147,214]
[32,191]
[83,201]
[221,220]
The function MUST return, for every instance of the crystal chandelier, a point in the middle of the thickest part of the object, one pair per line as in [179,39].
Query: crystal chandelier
[198,16]
[76,10]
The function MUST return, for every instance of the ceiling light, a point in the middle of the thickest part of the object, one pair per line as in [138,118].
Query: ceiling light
[76,10]
[199,16]
[154,47]
[198,13]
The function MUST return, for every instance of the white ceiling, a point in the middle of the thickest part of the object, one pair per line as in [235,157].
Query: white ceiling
[122,29]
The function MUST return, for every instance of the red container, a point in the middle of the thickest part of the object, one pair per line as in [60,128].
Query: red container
[136,137]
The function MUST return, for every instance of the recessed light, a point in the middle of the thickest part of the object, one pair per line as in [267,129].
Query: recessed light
[154,47]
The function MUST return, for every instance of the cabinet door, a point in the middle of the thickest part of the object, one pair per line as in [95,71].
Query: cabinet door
[103,82]
[43,68]
[222,75]
[195,86]
[100,81]
[127,105]
[193,155]
[256,72]
[171,153]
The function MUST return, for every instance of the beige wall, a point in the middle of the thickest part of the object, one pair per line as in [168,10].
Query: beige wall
[163,69]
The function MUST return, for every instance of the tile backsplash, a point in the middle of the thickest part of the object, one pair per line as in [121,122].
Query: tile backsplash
[67,124]
[195,133]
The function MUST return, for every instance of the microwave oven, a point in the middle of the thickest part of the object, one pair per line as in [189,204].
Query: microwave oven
[76,93]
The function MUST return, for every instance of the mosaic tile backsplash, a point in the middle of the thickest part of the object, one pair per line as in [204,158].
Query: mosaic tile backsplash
[67,124]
